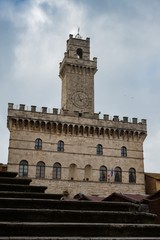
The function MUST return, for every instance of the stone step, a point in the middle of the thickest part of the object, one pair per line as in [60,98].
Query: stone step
[4,195]
[22,188]
[66,205]
[78,238]
[78,216]
[68,230]
[8,174]
[21,181]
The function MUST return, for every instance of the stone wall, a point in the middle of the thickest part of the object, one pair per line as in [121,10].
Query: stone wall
[80,136]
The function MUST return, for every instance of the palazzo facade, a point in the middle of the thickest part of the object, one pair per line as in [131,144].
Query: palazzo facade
[72,149]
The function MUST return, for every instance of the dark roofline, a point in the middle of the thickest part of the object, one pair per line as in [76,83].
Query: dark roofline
[125,196]
[153,175]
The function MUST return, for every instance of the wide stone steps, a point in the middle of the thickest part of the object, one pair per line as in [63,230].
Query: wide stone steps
[29,195]
[8,174]
[66,216]
[78,238]
[43,203]
[22,188]
[78,229]
[27,212]
[20,181]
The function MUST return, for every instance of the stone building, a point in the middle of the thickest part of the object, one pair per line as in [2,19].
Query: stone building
[152,183]
[72,149]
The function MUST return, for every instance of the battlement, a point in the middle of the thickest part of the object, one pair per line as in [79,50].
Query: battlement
[56,111]
[74,123]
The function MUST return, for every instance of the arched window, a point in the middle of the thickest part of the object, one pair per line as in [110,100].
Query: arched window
[132,175]
[23,168]
[79,53]
[38,144]
[40,170]
[123,151]
[60,146]
[57,171]
[72,171]
[103,173]
[99,149]
[87,172]
[117,174]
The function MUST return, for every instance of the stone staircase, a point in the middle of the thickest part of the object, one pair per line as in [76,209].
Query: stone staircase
[27,212]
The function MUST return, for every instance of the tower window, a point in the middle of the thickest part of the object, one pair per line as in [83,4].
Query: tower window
[38,144]
[79,53]
[99,149]
[23,168]
[60,146]
[57,171]
[123,151]
[40,170]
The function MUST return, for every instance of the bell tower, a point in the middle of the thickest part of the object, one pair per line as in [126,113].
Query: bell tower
[77,74]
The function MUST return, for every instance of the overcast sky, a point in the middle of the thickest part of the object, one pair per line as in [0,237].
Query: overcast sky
[125,37]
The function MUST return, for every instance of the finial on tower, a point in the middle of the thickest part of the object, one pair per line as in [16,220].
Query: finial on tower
[78,35]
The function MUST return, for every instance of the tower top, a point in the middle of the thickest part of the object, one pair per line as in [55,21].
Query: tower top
[77,72]
[78,35]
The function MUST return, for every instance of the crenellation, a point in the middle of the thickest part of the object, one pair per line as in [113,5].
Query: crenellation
[106,117]
[96,115]
[22,107]
[33,108]
[134,120]
[10,105]
[116,118]
[125,119]
[144,121]
[95,59]
[14,109]
[58,124]
[55,111]
[44,109]
[45,113]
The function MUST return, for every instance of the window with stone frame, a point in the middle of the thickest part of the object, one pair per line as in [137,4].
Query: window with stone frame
[132,175]
[60,146]
[57,171]
[99,149]
[40,170]
[103,173]
[117,174]
[123,151]
[23,168]
[38,144]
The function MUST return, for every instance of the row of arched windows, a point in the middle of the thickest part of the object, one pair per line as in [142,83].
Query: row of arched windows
[99,150]
[117,174]
[104,174]
[38,145]
[40,170]
[60,147]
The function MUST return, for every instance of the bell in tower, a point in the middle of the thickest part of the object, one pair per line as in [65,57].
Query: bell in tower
[77,74]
